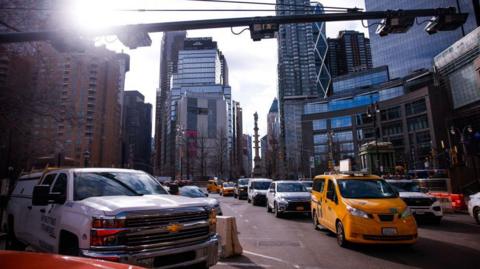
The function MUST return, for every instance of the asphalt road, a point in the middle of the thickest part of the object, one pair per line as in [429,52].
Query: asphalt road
[292,242]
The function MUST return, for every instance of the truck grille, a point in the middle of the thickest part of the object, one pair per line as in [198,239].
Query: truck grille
[150,230]
[418,201]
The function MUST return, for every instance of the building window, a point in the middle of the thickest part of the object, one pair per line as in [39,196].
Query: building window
[320,139]
[320,149]
[319,124]
[416,107]
[417,123]
[391,113]
[344,136]
[340,122]
[392,129]
[391,93]
[463,87]
[362,119]
[346,147]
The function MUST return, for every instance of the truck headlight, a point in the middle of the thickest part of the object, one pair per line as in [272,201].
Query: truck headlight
[357,212]
[406,213]
[212,221]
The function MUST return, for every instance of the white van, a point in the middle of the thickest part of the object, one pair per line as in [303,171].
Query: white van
[257,190]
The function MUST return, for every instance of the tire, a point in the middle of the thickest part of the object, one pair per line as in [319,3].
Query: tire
[12,243]
[276,212]
[341,240]
[476,214]
[315,220]
[68,244]
[269,210]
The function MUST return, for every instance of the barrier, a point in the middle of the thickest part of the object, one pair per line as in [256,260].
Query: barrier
[229,243]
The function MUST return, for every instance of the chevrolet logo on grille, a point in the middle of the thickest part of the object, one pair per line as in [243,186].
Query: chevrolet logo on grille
[174,228]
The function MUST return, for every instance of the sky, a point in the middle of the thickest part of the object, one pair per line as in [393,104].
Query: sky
[252,65]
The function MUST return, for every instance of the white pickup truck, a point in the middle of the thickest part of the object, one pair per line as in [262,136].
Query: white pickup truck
[112,214]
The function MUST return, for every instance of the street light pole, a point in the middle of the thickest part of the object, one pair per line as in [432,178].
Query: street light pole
[372,111]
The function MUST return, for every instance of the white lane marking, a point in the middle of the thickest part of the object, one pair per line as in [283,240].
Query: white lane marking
[243,264]
[264,256]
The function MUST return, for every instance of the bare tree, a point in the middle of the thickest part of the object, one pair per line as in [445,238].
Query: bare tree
[221,152]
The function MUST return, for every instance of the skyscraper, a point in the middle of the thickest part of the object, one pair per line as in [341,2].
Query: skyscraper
[349,53]
[405,53]
[137,129]
[201,73]
[323,76]
[297,76]
[172,42]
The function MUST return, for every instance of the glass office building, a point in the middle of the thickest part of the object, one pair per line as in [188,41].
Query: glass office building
[405,53]
[323,77]
[297,76]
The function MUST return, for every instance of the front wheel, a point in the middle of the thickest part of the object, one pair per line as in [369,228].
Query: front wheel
[341,240]
[315,220]
[476,214]
[276,212]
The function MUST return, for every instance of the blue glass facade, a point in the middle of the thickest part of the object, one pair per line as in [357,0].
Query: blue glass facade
[404,53]
[349,82]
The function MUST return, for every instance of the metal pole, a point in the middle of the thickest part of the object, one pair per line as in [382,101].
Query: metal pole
[224,23]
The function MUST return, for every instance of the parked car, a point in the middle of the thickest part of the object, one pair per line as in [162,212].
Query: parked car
[196,192]
[474,207]
[288,197]
[422,205]
[227,188]
[257,190]
[22,259]
[361,208]
[112,214]
[241,188]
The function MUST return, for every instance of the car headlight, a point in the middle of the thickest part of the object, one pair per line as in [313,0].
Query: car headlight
[406,213]
[282,200]
[357,212]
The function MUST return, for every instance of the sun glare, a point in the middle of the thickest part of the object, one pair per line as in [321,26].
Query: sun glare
[88,15]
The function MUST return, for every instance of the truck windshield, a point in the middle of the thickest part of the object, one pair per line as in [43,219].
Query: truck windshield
[291,187]
[406,186]
[366,189]
[260,185]
[91,184]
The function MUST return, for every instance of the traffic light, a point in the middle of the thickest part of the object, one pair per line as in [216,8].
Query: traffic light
[446,22]
[260,31]
[395,25]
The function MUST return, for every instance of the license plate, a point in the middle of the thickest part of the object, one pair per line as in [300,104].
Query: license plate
[419,211]
[389,231]
[300,208]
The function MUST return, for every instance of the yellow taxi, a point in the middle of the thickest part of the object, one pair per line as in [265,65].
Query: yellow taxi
[361,208]
[227,188]
[213,186]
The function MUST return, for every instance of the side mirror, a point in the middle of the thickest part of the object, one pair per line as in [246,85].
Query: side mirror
[40,195]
